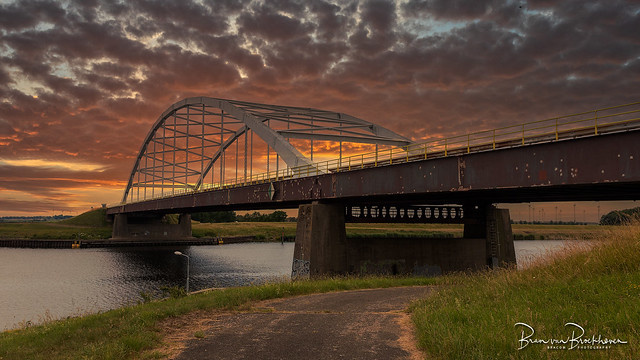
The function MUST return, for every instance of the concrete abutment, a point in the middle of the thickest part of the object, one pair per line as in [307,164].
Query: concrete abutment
[322,248]
[151,227]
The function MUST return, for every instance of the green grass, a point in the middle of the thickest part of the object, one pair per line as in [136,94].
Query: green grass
[52,230]
[275,230]
[599,289]
[134,332]
[556,232]
[89,225]
[260,230]
[93,218]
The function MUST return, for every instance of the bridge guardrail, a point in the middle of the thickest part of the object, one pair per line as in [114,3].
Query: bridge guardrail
[588,123]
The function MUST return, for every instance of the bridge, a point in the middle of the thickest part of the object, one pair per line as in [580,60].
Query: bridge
[207,154]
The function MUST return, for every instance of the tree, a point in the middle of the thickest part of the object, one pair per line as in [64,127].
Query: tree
[214,216]
[620,217]
[276,216]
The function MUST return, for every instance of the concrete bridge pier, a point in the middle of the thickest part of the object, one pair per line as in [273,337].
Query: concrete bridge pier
[320,247]
[150,227]
[487,222]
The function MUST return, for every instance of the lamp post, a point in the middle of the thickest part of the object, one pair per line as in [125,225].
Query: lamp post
[187,256]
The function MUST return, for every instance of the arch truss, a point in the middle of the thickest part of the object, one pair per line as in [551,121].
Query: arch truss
[203,142]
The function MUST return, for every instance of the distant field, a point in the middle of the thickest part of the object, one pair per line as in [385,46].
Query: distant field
[275,230]
[90,225]
[266,230]
[535,232]
[52,230]
[93,225]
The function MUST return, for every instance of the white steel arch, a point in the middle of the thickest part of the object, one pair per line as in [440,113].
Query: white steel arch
[195,136]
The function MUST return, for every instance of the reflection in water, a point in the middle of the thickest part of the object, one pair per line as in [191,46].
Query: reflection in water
[528,251]
[40,283]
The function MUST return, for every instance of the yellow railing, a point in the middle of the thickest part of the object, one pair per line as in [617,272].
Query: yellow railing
[589,123]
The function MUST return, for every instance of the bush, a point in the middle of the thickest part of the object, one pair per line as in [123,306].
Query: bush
[621,217]
[173,292]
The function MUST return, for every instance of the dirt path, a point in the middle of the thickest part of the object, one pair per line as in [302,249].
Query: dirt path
[361,324]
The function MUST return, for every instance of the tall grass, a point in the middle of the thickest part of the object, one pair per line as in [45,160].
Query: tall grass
[597,288]
[133,332]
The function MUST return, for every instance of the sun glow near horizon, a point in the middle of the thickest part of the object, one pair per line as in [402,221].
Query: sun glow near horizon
[42,163]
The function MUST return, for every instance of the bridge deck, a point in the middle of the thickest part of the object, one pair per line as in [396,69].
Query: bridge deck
[595,167]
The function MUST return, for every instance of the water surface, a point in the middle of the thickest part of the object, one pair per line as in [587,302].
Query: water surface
[42,284]
[38,284]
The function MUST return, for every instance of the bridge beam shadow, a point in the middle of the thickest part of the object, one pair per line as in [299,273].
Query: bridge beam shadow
[322,247]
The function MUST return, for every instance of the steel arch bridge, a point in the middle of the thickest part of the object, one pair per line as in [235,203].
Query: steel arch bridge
[207,143]
[201,155]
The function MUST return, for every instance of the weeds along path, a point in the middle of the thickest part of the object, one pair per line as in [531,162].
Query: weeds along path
[360,324]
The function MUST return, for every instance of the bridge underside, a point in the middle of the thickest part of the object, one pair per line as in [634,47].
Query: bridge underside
[322,247]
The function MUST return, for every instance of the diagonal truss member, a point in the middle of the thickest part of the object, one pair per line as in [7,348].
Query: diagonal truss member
[193,134]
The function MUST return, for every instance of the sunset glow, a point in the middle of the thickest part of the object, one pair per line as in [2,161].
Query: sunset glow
[38,163]
[81,83]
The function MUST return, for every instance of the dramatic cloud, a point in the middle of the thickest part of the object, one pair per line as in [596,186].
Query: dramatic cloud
[81,82]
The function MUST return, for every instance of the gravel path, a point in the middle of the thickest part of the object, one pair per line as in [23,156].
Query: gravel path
[361,324]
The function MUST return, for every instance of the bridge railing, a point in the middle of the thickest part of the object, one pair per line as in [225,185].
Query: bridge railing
[589,123]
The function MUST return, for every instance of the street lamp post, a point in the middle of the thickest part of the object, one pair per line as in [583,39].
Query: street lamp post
[187,256]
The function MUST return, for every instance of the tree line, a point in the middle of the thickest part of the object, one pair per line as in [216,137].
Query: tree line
[231,216]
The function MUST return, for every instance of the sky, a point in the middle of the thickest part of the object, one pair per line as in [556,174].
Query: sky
[81,82]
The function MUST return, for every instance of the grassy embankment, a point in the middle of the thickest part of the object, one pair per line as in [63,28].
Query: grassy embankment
[89,225]
[134,331]
[598,289]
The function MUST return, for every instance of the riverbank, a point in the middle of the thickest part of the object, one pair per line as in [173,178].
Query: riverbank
[491,314]
[470,316]
[135,331]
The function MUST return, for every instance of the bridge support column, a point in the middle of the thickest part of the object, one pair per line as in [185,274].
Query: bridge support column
[150,227]
[494,225]
[320,246]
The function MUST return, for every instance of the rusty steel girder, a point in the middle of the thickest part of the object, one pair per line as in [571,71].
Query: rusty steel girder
[602,167]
